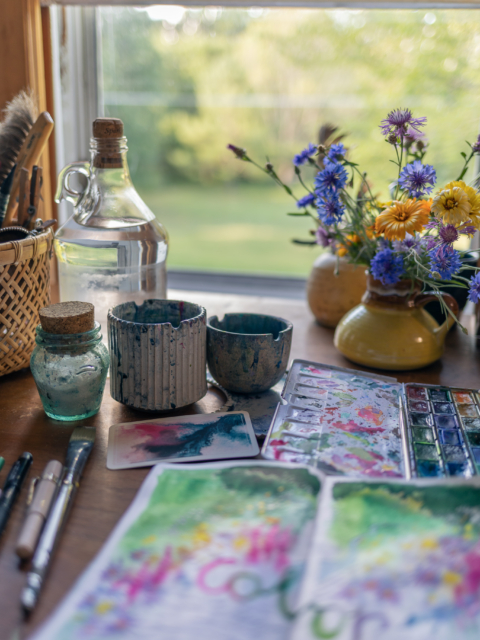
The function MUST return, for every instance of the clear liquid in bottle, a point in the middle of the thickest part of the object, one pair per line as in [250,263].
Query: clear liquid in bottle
[112,249]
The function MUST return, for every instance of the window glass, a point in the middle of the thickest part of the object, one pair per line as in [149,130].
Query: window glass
[188,82]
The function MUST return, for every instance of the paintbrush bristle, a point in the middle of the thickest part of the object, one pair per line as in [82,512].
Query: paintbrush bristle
[83,433]
[18,118]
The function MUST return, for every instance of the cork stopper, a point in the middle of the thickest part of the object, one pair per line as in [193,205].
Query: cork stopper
[107,128]
[68,317]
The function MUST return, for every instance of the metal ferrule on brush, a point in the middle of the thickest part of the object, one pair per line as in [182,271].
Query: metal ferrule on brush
[81,443]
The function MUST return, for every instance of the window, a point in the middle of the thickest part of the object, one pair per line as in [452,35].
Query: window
[186,82]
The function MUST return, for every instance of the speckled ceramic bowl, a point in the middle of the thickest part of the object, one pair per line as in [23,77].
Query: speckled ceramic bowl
[248,352]
[157,354]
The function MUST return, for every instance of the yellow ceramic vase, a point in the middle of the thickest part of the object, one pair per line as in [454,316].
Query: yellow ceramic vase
[390,329]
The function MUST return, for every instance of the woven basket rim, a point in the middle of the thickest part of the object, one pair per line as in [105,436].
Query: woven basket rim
[22,250]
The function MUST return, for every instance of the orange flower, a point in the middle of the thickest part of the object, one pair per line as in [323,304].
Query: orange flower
[342,249]
[402,218]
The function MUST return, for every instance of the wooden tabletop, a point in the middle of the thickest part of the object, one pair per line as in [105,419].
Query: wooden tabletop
[104,495]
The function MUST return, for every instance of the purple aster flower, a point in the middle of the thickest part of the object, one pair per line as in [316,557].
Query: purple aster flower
[476,146]
[428,242]
[332,178]
[474,292]
[387,267]
[402,246]
[323,237]
[448,234]
[306,200]
[417,178]
[330,210]
[400,121]
[336,152]
[303,156]
[444,261]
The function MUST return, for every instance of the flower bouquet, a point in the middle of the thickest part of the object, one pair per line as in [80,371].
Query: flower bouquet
[408,238]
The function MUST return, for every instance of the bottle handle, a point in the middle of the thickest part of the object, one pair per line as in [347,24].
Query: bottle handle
[64,190]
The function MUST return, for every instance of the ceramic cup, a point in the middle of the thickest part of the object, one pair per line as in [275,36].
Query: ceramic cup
[248,352]
[157,354]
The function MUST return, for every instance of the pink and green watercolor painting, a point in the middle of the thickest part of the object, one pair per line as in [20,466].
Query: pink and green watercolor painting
[198,438]
[211,552]
[396,562]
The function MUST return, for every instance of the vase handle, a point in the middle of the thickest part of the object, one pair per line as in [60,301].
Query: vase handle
[423,298]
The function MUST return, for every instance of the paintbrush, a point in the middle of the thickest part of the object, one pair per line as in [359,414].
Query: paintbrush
[79,447]
[5,193]
[19,116]
[29,155]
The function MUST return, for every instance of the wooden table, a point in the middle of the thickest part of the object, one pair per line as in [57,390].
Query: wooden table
[104,495]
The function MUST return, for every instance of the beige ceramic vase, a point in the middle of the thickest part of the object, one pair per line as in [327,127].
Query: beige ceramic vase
[331,296]
[390,329]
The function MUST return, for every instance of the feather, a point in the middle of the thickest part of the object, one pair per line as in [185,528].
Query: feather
[19,116]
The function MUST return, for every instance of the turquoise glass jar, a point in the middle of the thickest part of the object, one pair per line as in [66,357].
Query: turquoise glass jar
[70,371]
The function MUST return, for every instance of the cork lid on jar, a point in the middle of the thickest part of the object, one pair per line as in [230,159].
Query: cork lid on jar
[68,317]
[107,128]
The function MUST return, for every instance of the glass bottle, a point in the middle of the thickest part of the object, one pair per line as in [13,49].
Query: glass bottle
[112,249]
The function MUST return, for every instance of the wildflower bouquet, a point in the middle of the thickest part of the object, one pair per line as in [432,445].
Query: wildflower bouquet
[411,236]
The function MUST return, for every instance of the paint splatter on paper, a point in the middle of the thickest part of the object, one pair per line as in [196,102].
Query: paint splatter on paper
[216,551]
[394,561]
[185,438]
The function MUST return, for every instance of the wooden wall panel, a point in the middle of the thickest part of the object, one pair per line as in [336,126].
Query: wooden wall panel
[22,66]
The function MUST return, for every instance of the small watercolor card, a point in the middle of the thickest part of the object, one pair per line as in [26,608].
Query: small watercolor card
[194,438]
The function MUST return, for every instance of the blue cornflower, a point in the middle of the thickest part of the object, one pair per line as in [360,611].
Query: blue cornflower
[330,210]
[474,293]
[387,267]
[445,262]
[303,156]
[306,200]
[332,178]
[417,178]
[336,152]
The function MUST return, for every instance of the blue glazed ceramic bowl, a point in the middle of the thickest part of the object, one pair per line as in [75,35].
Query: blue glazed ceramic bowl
[248,352]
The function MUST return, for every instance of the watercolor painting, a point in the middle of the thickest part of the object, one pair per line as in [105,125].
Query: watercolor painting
[340,423]
[215,552]
[186,438]
[394,561]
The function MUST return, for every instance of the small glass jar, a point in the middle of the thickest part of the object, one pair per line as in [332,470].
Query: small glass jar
[70,371]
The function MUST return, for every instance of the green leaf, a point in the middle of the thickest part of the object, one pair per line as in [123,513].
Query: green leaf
[298,213]
[310,242]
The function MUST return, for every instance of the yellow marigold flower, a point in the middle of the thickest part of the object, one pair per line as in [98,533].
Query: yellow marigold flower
[473,198]
[401,218]
[452,206]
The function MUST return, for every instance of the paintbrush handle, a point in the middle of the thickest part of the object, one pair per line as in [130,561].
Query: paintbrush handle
[48,540]
[29,155]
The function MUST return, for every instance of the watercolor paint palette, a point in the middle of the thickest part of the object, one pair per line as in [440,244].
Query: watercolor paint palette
[345,422]
[339,421]
[442,425]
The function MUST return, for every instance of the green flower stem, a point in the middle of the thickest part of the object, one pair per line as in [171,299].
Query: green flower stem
[465,166]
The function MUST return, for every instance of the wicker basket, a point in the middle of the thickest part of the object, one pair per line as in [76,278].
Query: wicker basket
[24,289]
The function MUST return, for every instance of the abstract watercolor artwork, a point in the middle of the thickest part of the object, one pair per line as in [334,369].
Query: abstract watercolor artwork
[340,422]
[215,551]
[189,438]
[394,561]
